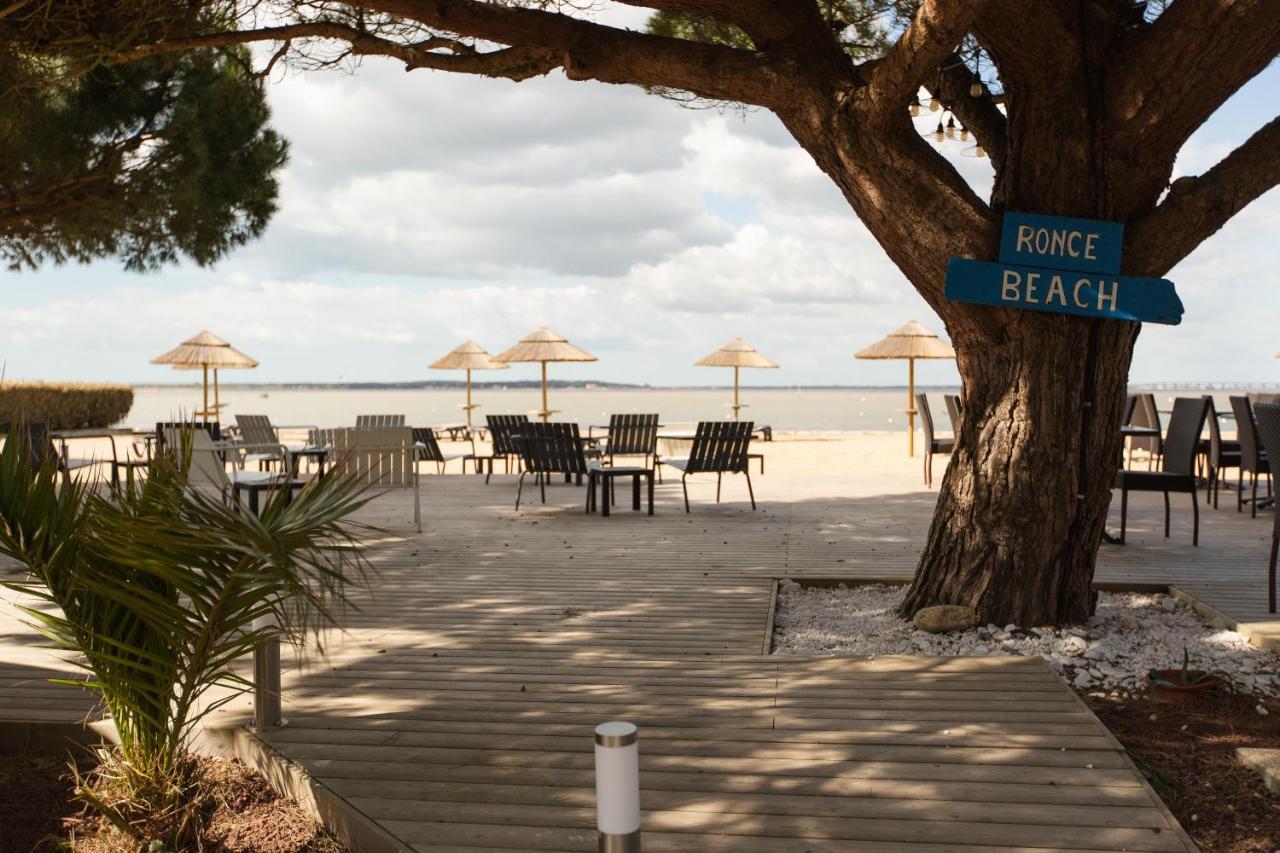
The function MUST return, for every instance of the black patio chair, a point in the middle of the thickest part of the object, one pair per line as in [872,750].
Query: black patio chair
[546,449]
[36,444]
[1146,414]
[1254,461]
[932,443]
[719,447]
[955,410]
[1219,453]
[1177,465]
[1268,417]
[633,435]
[428,450]
[500,431]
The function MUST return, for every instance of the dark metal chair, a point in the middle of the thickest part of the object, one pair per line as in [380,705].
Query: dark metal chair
[932,443]
[501,428]
[1254,461]
[428,450]
[1177,466]
[1146,414]
[955,409]
[1219,453]
[1268,417]
[633,435]
[719,447]
[546,449]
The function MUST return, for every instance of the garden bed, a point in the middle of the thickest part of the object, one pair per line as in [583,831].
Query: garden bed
[243,814]
[1109,655]
[1188,754]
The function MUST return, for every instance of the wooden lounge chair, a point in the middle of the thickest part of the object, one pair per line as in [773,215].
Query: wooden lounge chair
[257,430]
[209,470]
[719,447]
[1268,417]
[424,438]
[382,459]
[1177,465]
[932,443]
[501,428]
[1254,460]
[379,421]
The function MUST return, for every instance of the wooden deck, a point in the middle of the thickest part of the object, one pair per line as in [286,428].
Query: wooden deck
[455,710]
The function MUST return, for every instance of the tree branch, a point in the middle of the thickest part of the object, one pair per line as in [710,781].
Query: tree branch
[1177,70]
[1197,207]
[930,38]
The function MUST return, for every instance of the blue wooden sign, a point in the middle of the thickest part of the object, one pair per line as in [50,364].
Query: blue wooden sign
[1065,266]
[1061,243]
[1115,297]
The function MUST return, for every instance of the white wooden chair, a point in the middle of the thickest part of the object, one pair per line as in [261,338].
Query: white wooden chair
[381,459]
[209,470]
[379,421]
[257,430]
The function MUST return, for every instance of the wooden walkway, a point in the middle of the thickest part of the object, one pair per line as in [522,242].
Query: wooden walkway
[455,709]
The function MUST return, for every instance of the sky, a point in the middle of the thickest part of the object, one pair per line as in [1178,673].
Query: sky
[421,209]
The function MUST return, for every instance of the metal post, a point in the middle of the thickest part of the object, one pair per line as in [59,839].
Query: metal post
[468,407]
[266,678]
[204,409]
[617,787]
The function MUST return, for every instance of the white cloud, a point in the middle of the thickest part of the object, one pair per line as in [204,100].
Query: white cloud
[420,209]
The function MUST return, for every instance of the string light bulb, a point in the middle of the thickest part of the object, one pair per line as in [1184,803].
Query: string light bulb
[941,133]
[914,108]
[951,127]
[979,151]
[975,88]
[964,133]
[934,104]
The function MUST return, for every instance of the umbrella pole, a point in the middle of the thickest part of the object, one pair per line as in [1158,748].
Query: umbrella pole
[736,407]
[546,415]
[468,399]
[217,399]
[911,407]
[204,409]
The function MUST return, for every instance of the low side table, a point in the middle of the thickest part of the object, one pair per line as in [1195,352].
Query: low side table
[605,476]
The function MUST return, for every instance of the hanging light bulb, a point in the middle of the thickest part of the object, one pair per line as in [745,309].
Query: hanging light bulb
[934,104]
[964,133]
[941,133]
[914,108]
[976,88]
[979,151]
[951,128]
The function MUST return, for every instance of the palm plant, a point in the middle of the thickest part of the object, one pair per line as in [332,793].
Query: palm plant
[160,590]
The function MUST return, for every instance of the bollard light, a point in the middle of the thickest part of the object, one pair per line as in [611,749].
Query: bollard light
[618,787]
[266,677]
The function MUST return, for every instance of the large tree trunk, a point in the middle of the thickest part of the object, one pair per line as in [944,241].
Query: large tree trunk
[1024,501]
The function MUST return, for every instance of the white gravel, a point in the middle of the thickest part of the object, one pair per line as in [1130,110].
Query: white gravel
[1129,634]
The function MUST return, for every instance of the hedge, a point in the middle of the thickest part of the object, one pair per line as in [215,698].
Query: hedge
[64,405]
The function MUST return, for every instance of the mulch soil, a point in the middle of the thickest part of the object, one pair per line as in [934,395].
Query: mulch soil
[244,815]
[1188,754]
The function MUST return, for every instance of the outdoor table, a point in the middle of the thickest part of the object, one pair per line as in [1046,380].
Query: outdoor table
[319,455]
[604,478]
[65,435]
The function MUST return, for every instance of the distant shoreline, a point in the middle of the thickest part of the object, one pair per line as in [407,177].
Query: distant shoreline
[563,385]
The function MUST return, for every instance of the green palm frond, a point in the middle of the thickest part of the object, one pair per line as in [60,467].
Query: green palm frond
[162,588]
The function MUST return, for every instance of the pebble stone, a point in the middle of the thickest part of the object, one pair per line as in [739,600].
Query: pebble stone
[1128,635]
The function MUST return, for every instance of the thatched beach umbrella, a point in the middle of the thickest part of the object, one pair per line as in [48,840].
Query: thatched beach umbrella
[203,352]
[736,354]
[912,341]
[468,356]
[543,345]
